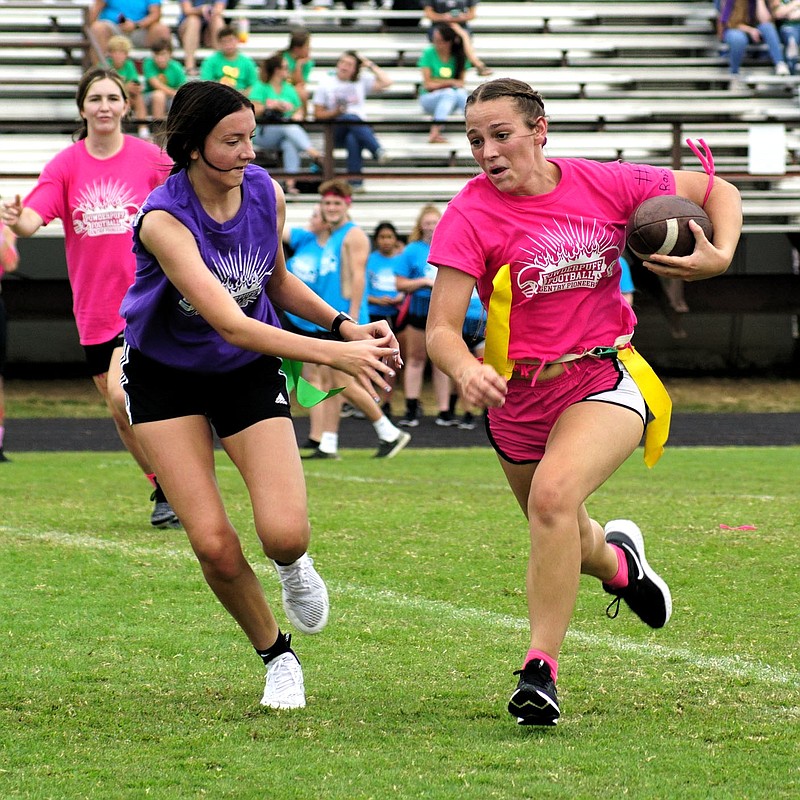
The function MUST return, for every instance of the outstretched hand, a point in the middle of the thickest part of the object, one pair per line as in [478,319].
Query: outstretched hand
[370,361]
[705,262]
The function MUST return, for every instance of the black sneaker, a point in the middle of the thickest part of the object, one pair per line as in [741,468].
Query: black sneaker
[391,449]
[317,453]
[535,701]
[467,422]
[410,419]
[347,411]
[3,457]
[646,594]
[163,516]
[446,419]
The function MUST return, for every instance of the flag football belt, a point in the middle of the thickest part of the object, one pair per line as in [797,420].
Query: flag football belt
[655,394]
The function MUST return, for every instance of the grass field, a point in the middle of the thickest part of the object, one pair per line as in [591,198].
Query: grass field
[122,677]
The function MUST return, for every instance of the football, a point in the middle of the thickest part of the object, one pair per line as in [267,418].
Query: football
[661,225]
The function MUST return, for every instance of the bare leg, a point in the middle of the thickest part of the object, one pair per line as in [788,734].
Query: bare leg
[112,392]
[564,540]
[189,34]
[415,359]
[182,452]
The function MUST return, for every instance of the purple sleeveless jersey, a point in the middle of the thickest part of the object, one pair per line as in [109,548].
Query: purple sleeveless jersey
[240,253]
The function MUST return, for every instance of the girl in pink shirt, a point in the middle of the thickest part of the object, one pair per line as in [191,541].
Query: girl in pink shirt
[542,239]
[96,187]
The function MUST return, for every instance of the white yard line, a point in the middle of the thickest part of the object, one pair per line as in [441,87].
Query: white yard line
[731,667]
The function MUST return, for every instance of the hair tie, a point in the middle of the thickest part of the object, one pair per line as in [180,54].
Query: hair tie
[706,159]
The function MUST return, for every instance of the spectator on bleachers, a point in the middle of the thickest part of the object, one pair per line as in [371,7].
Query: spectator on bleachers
[139,20]
[415,277]
[341,95]
[786,14]
[119,48]
[383,296]
[227,65]
[444,65]
[9,260]
[741,23]
[163,76]
[298,57]
[457,14]
[199,23]
[275,99]
[96,187]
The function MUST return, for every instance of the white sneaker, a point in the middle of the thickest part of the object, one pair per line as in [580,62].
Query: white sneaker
[305,597]
[782,69]
[284,687]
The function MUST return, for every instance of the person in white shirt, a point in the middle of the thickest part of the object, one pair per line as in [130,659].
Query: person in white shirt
[341,96]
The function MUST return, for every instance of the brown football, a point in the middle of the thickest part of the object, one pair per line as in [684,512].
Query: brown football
[661,225]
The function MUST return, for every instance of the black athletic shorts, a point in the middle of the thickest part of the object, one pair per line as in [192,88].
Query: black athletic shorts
[232,401]
[98,356]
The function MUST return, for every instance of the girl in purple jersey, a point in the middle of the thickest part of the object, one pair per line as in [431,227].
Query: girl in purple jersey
[203,353]
[542,239]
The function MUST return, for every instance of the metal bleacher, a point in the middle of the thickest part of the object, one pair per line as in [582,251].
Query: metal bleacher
[620,78]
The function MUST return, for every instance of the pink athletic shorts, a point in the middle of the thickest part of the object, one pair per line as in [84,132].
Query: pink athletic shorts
[518,431]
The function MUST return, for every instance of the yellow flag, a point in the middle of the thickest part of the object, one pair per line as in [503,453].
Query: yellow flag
[498,324]
[657,399]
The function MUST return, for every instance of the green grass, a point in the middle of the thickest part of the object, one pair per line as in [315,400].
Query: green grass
[122,677]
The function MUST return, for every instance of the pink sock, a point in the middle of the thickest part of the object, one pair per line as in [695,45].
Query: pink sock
[549,660]
[620,580]
[152,478]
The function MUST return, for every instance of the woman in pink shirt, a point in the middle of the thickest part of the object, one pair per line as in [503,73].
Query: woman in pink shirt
[542,239]
[96,187]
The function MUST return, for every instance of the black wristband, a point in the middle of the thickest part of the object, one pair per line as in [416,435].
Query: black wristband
[337,323]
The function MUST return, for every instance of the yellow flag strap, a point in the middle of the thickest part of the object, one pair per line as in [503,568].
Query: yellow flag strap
[498,329]
[657,399]
[307,395]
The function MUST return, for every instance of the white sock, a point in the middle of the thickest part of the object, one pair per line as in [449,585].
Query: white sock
[385,430]
[329,442]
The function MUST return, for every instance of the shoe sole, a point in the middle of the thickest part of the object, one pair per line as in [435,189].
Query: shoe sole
[408,423]
[402,440]
[529,712]
[283,706]
[173,525]
[627,529]
[315,456]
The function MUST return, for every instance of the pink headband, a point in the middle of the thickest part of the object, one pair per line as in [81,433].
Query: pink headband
[347,200]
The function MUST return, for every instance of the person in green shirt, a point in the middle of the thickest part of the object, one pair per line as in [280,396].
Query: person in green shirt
[163,76]
[276,101]
[444,65]
[298,57]
[227,65]
[119,48]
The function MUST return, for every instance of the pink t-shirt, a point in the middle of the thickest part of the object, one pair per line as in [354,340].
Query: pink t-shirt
[97,200]
[563,249]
